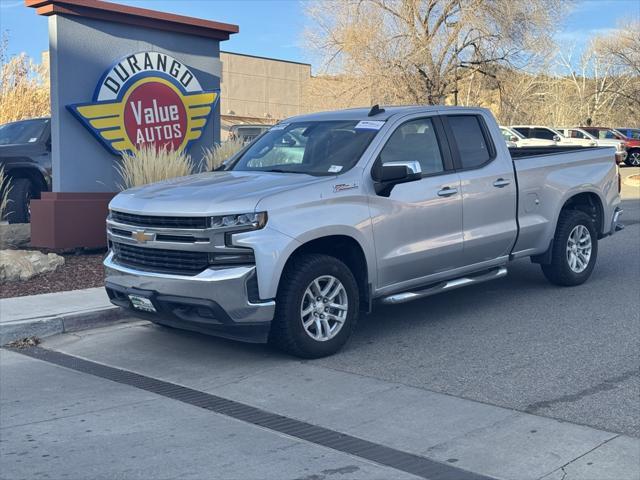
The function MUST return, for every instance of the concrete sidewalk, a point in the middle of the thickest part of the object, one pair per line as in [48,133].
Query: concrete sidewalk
[475,437]
[54,313]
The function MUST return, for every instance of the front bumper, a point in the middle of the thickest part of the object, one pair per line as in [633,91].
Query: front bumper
[220,302]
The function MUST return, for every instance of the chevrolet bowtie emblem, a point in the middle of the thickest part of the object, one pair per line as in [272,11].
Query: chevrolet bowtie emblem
[142,237]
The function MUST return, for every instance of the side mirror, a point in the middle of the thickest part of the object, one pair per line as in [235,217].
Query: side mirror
[288,141]
[388,175]
[556,138]
[513,138]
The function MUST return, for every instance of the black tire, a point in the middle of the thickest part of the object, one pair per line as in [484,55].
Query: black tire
[287,331]
[22,191]
[559,271]
[633,158]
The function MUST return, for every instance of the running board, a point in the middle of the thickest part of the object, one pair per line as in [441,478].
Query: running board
[445,286]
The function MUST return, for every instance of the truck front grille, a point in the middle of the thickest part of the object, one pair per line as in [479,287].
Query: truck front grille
[175,262]
[159,221]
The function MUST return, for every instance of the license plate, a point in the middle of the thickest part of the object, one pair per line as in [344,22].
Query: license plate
[142,303]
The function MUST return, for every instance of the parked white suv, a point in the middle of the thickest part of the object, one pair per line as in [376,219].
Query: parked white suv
[579,133]
[516,139]
[548,133]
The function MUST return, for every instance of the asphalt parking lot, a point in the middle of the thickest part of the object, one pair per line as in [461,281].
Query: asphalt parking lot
[522,343]
[514,378]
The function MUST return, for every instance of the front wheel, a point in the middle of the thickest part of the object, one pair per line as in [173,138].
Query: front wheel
[20,195]
[575,249]
[633,158]
[316,307]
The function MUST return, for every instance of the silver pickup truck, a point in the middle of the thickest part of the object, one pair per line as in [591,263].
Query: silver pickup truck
[326,214]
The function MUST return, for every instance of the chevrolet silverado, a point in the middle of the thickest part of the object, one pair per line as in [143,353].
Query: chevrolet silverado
[327,214]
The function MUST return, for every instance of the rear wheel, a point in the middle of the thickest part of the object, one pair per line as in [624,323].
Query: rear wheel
[22,191]
[316,307]
[575,249]
[633,158]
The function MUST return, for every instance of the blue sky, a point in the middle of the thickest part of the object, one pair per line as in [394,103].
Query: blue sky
[274,28]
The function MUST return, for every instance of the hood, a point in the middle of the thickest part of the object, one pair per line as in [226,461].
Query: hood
[20,150]
[540,142]
[213,193]
[610,142]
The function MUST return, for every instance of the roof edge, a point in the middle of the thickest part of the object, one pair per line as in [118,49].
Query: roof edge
[140,17]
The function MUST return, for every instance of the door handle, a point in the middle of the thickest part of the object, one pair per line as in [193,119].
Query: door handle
[501,182]
[447,192]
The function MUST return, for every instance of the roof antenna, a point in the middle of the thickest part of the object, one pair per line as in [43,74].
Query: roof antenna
[375,110]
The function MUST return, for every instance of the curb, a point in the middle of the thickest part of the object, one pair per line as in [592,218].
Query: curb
[65,323]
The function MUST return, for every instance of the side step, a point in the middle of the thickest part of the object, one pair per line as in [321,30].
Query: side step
[445,286]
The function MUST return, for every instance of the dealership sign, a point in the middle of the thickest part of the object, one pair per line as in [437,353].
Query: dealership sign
[147,98]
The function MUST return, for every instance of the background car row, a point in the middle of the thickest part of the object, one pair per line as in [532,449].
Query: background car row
[625,140]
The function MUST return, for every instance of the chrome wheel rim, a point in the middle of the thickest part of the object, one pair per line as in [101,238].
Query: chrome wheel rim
[634,158]
[324,308]
[579,248]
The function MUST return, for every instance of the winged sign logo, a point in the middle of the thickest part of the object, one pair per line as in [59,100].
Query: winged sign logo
[147,98]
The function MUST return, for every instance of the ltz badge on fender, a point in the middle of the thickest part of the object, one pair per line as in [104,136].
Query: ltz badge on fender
[147,98]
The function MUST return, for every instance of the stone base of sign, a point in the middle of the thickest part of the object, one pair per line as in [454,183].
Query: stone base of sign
[65,220]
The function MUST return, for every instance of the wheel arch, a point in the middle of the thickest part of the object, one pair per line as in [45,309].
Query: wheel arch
[346,249]
[589,203]
[32,174]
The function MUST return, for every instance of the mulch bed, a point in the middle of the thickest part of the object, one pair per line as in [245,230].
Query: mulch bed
[80,271]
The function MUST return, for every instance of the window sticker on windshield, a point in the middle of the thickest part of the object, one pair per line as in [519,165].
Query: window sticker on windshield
[33,139]
[370,124]
[335,168]
[280,126]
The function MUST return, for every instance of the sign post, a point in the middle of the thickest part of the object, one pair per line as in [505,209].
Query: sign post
[121,77]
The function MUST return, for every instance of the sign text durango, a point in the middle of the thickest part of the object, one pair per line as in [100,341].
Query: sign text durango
[148,98]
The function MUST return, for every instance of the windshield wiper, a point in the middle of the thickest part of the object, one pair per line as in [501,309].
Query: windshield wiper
[281,170]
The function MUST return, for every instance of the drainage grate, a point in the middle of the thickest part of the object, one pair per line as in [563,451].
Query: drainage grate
[374,452]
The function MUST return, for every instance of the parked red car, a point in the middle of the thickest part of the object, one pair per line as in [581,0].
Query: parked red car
[632,137]
[633,144]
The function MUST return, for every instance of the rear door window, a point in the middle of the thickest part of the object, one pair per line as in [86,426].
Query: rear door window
[543,133]
[473,145]
[576,134]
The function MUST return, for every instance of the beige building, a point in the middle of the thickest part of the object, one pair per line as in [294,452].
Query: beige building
[260,91]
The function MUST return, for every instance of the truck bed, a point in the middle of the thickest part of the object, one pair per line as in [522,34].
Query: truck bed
[518,153]
[547,177]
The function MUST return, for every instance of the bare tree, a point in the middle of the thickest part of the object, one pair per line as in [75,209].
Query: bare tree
[622,49]
[419,51]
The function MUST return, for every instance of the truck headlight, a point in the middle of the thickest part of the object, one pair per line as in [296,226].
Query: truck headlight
[241,221]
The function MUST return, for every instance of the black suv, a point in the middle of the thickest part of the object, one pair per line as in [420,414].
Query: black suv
[25,153]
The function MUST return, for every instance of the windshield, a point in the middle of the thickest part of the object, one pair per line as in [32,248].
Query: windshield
[507,134]
[314,148]
[630,133]
[25,131]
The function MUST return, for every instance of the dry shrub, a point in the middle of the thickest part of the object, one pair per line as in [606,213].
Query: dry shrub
[5,188]
[24,87]
[151,164]
[216,155]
